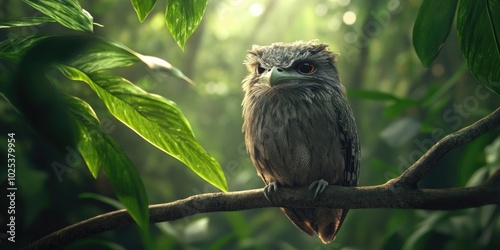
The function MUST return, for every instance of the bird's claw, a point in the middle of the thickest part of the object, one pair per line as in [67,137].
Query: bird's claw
[269,188]
[319,185]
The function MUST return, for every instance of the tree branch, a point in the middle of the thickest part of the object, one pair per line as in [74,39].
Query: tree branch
[396,193]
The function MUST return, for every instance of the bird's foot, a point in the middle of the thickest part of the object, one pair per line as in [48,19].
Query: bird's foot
[269,188]
[319,186]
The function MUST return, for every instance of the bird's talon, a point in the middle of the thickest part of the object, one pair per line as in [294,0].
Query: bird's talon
[269,188]
[319,185]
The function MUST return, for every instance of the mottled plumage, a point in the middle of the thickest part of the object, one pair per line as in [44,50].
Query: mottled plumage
[299,128]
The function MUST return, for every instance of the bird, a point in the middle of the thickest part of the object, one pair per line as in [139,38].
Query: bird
[299,128]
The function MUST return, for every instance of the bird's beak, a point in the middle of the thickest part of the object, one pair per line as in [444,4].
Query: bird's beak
[277,76]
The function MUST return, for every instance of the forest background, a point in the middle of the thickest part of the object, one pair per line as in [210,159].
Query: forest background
[401,108]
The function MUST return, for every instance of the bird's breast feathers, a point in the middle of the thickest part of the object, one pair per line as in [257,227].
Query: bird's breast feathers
[295,141]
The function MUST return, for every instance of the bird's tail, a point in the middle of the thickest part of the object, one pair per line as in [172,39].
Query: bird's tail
[325,222]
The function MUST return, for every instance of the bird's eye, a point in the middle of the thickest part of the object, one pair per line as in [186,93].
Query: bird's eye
[260,69]
[305,68]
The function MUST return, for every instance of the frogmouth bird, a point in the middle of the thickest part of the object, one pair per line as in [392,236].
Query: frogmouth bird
[299,128]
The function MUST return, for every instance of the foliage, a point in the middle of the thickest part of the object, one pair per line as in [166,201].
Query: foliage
[183,17]
[67,13]
[429,37]
[68,121]
[478,28]
[143,8]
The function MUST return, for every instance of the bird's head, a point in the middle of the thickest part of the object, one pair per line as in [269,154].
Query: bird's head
[291,66]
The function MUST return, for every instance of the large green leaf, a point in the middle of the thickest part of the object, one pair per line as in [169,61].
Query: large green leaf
[99,149]
[100,54]
[92,142]
[143,7]
[103,56]
[69,13]
[183,17]
[478,27]
[432,27]
[111,54]
[156,119]
[14,48]
[26,21]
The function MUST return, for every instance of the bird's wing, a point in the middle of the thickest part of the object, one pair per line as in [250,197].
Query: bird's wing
[349,141]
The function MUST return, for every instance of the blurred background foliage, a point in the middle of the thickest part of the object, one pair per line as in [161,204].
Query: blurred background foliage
[401,109]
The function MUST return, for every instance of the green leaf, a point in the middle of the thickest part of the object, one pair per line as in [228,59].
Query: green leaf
[91,141]
[14,48]
[108,54]
[26,21]
[157,120]
[478,177]
[100,54]
[397,108]
[432,27]
[68,13]
[103,56]
[104,199]
[99,149]
[38,99]
[143,7]
[492,152]
[159,65]
[394,109]
[418,238]
[221,242]
[373,95]
[478,28]
[183,17]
